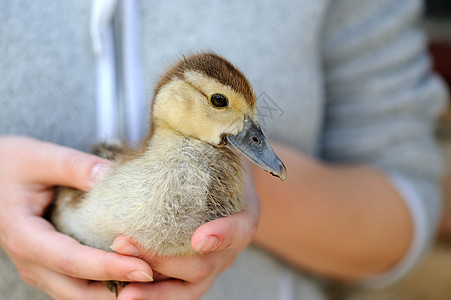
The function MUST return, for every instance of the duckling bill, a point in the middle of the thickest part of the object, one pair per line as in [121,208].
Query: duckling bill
[253,145]
[185,174]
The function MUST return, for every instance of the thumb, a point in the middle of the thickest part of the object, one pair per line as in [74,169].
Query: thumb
[234,231]
[50,164]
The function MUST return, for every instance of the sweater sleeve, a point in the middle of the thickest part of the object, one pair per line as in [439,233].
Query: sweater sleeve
[382,104]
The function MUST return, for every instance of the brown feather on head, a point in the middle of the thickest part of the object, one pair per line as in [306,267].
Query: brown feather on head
[214,66]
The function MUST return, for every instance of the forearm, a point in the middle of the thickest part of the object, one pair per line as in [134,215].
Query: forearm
[344,221]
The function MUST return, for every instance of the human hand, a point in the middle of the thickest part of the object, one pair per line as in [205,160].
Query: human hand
[45,258]
[189,277]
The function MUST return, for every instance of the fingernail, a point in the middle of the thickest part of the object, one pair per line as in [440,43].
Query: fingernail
[139,276]
[123,246]
[99,171]
[209,243]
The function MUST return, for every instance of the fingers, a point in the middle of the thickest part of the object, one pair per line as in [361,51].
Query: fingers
[50,164]
[195,268]
[224,233]
[59,286]
[166,290]
[65,255]
[190,268]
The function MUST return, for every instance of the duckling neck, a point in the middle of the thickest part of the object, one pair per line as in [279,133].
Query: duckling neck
[164,131]
[166,145]
[166,134]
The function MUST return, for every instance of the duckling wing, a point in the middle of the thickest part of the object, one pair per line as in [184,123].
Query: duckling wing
[110,149]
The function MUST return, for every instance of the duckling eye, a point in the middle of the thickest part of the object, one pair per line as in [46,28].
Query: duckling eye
[219,100]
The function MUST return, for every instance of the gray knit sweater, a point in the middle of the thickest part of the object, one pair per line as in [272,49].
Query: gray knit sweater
[340,80]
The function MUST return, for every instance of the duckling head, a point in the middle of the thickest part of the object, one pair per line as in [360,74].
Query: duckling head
[204,96]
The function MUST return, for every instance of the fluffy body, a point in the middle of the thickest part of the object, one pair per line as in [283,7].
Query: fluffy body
[159,198]
[181,177]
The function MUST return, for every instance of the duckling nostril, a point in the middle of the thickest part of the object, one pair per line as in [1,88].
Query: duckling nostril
[255,139]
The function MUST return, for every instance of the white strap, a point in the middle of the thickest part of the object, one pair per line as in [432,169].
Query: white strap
[101,17]
[127,108]
[101,29]
[135,113]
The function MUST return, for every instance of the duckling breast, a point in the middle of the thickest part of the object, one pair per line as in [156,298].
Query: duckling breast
[195,183]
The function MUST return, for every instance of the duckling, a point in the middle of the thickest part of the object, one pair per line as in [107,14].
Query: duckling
[186,172]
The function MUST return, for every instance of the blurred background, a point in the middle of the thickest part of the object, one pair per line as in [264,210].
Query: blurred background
[431,280]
